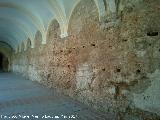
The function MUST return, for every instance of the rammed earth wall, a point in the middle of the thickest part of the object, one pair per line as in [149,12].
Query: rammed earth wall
[111,68]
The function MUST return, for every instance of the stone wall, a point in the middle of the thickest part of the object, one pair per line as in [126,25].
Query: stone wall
[111,68]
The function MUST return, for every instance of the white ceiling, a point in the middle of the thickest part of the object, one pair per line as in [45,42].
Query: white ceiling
[21,19]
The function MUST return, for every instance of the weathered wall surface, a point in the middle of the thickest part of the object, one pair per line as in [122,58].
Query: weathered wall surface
[113,69]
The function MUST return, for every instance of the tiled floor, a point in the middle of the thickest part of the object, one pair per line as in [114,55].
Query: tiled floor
[24,99]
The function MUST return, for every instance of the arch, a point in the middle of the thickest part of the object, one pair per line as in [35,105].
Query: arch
[15,33]
[22,47]
[54,20]
[79,9]
[64,28]
[60,16]
[16,51]
[6,44]
[53,32]
[101,10]
[34,19]
[11,31]
[9,41]
[53,27]
[25,45]
[100,6]
[38,39]
[20,24]
[29,44]
[5,48]
[19,48]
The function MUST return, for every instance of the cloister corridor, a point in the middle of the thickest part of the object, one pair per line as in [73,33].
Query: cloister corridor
[80,59]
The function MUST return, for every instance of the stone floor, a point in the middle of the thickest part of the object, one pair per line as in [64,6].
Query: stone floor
[25,99]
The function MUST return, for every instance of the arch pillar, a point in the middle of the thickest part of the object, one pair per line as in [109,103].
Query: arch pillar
[44,38]
[64,30]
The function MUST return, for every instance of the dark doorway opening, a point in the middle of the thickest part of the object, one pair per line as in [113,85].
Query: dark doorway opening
[3,63]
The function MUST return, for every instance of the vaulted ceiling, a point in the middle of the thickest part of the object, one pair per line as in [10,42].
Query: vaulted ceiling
[21,19]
